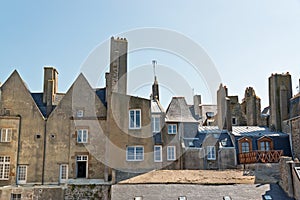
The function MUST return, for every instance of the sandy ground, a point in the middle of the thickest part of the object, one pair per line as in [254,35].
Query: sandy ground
[210,177]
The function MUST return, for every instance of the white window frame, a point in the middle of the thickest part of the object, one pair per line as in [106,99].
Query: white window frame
[135,156]
[135,123]
[81,158]
[171,128]
[80,136]
[211,152]
[6,135]
[22,174]
[4,167]
[157,149]
[155,124]
[79,113]
[63,173]
[171,153]
[15,196]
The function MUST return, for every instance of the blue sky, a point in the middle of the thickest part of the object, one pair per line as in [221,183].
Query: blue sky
[247,40]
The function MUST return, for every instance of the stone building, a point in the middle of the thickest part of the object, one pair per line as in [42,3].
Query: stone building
[280,93]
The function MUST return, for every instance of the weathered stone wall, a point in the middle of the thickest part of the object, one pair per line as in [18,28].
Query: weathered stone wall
[286,182]
[87,192]
[193,159]
[33,193]
[289,182]
[17,98]
[227,158]
[296,137]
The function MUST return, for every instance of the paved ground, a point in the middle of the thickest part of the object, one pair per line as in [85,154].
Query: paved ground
[213,177]
[195,192]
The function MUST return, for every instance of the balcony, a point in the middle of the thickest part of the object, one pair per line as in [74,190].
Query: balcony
[272,156]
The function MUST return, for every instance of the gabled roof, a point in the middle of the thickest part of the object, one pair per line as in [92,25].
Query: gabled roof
[179,111]
[156,107]
[20,83]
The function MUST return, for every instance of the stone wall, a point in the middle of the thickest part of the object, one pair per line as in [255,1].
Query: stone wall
[289,180]
[88,192]
[33,193]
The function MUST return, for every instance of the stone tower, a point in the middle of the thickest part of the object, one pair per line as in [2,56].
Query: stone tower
[251,107]
[223,107]
[118,65]
[280,92]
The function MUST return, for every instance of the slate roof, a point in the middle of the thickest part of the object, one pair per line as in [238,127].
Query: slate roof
[280,140]
[222,135]
[179,111]
[101,93]
[256,131]
[38,99]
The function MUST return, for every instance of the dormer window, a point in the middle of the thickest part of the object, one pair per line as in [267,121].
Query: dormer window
[79,113]
[172,128]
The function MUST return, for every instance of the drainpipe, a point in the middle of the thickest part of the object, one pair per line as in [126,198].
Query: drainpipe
[19,145]
[44,151]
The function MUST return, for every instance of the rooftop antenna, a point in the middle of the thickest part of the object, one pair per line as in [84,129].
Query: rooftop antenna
[154,63]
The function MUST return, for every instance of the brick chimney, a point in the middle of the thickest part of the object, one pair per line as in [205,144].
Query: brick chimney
[50,87]
[223,106]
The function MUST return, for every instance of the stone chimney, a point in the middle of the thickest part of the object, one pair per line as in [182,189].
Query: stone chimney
[223,109]
[197,102]
[50,87]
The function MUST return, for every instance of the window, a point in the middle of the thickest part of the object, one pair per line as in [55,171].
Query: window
[157,154]
[138,198]
[172,128]
[182,198]
[63,173]
[6,134]
[155,124]
[22,174]
[265,144]
[135,119]
[82,136]
[4,167]
[81,166]
[234,121]
[171,153]
[135,153]
[79,113]
[245,147]
[211,153]
[15,196]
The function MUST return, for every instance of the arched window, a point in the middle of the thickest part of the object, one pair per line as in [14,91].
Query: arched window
[245,145]
[265,144]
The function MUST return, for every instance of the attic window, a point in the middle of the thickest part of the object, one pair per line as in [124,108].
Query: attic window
[138,198]
[79,113]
